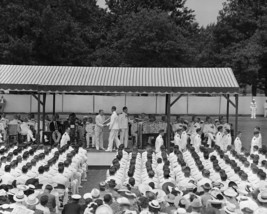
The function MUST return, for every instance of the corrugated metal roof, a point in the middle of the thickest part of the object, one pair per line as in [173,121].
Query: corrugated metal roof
[117,79]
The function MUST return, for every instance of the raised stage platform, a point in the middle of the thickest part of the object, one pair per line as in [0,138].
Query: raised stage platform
[100,158]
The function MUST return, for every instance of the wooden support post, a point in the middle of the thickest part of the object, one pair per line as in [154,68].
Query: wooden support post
[176,99]
[44,101]
[54,103]
[93,103]
[156,106]
[227,108]
[168,114]
[38,119]
[236,114]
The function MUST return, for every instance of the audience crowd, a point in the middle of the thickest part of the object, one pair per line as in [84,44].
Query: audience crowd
[40,179]
[208,181]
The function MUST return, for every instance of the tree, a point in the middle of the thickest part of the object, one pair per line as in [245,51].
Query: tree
[236,41]
[50,32]
[181,15]
[148,38]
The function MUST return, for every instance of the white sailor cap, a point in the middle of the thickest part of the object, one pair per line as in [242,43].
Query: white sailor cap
[76,196]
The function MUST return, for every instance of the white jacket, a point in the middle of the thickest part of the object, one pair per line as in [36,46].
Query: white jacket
[114,121]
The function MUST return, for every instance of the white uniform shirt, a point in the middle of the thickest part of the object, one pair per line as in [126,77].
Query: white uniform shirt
[255,142]
[64,140]
[24,128]
[218,139]
[114,121]
[22,179]
[226,141]
[197,142]
[183,140]
[238,145]
[253,105]
[90,128]
[60,179]
[159,143]
[7,178]
[123,121]
[177,139]
[99,120]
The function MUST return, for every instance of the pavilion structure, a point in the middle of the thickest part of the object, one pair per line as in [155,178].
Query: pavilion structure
[171,82]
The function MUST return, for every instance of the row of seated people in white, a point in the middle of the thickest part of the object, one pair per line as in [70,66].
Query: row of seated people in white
[196,175]
[70,176]
[178,177]
[141,175]
[222,138]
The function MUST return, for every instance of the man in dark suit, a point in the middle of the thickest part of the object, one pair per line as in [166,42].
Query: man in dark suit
[54,125]
[51,198]
[74,207]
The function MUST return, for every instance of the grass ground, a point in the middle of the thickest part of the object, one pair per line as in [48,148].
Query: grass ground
[246,125]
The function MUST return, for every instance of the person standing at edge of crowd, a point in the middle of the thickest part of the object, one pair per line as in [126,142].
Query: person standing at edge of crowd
[114,129]
[124,128]
[253,108]
[159,141]
[65,137]
[99,120]
[2,104]
[90,133]
[238,143]
[265,109]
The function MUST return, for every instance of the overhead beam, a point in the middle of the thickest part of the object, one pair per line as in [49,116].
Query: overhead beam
[229,100]
[37,98]
[176,99]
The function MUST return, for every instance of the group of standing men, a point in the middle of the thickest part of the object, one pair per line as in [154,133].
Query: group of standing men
[117,124]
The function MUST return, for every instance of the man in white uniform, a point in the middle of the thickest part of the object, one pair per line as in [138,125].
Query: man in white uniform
[255,141]
[159,141]
[65,137]
[4,122]
[177,136]
[184,138]
[114,130]
[226,140]
[123,123]
[219,135]
[99,120]
[25,130]
[253,108]
[238,143]
[197,140]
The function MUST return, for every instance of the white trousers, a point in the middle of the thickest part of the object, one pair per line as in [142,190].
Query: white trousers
[253,113]
[88,135]
[30,135]
[99,139]
[210,138]
[113,136]
[124,137]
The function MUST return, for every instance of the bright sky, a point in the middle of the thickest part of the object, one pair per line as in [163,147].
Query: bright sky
[206,11]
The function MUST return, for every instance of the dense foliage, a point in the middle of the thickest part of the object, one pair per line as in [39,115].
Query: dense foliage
[145,33]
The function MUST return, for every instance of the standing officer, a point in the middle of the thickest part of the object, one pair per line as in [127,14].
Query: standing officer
[114,129]
[265,109]
[123,123]
[99,120]
[253,108]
